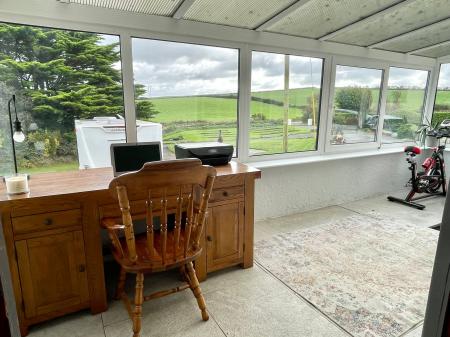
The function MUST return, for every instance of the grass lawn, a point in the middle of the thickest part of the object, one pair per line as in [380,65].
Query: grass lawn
[220,113]
[275,145]
[443,97]
[58,167]
[213,109]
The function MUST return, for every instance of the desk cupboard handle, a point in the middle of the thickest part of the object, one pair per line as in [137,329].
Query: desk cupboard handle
[48,221]
[82,268]
[209,238]
[225,193]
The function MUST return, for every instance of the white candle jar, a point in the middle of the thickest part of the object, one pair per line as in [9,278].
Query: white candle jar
[17,184]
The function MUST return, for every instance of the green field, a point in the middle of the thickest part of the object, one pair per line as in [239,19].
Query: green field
[202,118]
[213,109]
[443,97]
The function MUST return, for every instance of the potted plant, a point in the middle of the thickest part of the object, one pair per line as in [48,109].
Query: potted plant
[426,135]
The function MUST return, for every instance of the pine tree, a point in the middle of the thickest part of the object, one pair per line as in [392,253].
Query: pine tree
[65,75]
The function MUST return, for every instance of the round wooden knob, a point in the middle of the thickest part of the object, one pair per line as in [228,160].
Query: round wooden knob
[209,238]
[225,193]
[48,221]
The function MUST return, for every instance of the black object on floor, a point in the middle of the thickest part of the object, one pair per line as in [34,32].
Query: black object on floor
[436,227]
[4,324]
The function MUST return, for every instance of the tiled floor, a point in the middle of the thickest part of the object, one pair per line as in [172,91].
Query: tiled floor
[242,303]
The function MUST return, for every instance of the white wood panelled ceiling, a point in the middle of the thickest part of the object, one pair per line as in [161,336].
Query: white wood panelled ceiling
[419,27]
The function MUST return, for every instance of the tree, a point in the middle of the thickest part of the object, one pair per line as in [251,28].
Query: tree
[354,98]
[396,97]
[65,75]
[145,109]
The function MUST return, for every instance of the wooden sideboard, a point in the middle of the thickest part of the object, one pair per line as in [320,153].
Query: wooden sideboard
[54,247]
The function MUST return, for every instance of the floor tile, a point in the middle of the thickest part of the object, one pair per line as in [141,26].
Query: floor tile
[272,313]
[252,282]
[81,324]
[266,228]
[176,315]
[430,216]
[241,302]
[417,332]
[116,310]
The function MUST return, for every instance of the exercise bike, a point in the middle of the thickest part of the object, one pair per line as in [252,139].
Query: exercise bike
[431,180]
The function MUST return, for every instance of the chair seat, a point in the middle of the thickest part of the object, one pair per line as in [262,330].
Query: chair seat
[412,149]
[147,262]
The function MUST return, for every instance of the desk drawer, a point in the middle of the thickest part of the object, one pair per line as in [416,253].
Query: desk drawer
[227,193]
[46,221]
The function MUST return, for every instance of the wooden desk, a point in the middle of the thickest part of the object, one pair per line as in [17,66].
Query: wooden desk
[54,247]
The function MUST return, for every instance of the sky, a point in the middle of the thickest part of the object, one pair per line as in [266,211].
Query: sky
[181,69]
[444,76]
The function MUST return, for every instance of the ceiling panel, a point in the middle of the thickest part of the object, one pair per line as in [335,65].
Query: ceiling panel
[423,38]
[155,7]
[439,51]
[239,13]
[319,17]
[401,20]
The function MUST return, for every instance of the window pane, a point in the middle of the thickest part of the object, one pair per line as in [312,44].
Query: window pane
[404,105]
[6,158]
[285,103]
[69,94]
[190,91]
[442,103]
[356,105]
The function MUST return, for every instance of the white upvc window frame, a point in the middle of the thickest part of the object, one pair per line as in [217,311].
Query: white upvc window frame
[246,113]
[435,81]
[104,21]
[356,63]
[430,91]
[130,108]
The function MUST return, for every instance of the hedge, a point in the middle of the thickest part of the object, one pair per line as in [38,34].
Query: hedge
[345,118]
[439,116]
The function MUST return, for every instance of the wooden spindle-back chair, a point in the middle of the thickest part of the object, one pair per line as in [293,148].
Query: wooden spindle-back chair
[178,187]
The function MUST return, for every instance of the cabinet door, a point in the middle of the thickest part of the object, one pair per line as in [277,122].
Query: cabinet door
[224,235]
[52,273]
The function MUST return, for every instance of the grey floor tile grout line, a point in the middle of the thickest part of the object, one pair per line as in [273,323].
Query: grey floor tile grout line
[103,325]
[416,326]
[303,298]
[352,210]
[215,321]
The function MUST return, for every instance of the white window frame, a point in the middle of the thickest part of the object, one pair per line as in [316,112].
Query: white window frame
[240,106]
[356,63]
[127,25]
[434,89]
[425,102]
[286,155]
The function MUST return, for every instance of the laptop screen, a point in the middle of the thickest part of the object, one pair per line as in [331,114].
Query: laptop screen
[132,156]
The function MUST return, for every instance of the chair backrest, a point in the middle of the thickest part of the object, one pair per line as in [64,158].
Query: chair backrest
[180,187]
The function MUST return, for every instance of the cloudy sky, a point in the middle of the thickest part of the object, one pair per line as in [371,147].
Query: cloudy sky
[180,69]
[444,76]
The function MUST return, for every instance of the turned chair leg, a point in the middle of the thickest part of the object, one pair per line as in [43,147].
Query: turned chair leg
[195,287]
[120,284]
[138,300]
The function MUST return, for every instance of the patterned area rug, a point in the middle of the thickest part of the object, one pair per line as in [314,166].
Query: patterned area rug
[369,274]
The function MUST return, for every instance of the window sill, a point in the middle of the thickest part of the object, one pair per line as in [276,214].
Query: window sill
[324,157]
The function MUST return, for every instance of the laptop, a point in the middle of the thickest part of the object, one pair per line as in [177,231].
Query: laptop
[129,157]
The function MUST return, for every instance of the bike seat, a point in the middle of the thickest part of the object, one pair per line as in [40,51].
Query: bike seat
[413,149]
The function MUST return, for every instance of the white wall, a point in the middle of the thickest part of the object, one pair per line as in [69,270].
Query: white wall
[291,189]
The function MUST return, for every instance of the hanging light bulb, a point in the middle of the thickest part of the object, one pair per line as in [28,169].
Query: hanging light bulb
[18,133]
[19,137]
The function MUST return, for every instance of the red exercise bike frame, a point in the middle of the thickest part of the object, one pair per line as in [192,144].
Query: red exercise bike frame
[430,181]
